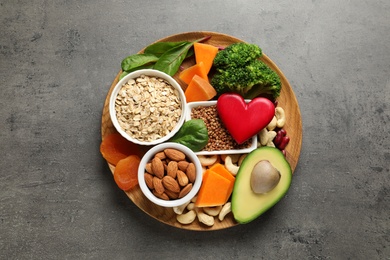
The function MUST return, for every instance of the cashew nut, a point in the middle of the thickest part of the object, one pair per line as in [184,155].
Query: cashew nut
[194,199]
[204,218]
[232,168]
[179,209]
[242,157]
[272,124]
[186,218]
[225,210]
[280,117]
[207,160]
[191,206]
[263,136]
[271,136]
[205,214]
[212,211]
[266,137]
[234,157]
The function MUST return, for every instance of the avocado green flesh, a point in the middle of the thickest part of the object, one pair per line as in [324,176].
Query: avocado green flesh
[247,205]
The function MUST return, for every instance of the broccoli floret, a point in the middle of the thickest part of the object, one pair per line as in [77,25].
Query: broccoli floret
[252,80]
[268,84]
[236,79]
[239,70]
[237,54]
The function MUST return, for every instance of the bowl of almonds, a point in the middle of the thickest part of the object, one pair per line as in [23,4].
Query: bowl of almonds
[170,174]
[147,107]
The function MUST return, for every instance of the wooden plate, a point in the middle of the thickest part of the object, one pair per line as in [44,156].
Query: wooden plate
[287,100]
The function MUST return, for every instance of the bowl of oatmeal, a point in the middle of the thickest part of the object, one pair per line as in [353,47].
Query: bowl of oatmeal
[147,107]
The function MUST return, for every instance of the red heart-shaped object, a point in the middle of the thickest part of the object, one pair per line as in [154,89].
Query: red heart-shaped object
[244,120]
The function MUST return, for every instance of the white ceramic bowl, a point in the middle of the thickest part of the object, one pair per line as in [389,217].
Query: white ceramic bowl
[191,157]
[152,73]
[253,144]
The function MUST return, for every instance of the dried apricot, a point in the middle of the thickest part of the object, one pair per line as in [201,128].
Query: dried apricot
[115,147]
[126,172]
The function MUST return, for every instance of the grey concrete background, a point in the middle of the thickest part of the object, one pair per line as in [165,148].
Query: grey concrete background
[57,61]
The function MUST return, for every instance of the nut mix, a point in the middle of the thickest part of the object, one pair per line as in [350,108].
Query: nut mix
[148,108]
[219,137]
[166,179]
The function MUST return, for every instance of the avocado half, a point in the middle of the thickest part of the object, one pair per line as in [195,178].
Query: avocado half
[247,205]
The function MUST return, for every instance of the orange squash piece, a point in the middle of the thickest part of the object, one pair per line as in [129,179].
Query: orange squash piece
[214,190]
[221,170]
[199,90]
[115,147]
[197,69]
[205,53]
[126,172]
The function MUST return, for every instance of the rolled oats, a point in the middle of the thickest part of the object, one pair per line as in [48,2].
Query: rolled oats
[148,108]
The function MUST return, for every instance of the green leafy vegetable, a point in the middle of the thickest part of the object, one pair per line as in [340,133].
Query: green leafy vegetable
[164,56]
[134,61]
[171,60]
[124,73]
[159,48]
[190,53]
[192,134]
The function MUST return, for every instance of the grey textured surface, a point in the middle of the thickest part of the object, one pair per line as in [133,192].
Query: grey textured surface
[57,61]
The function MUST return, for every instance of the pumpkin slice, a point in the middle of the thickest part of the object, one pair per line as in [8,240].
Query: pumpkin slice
[199,89]
[205,53]
[221,170]
[214,190]
[197,69]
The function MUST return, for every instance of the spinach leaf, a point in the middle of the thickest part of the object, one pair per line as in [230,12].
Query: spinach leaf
[171,60]
[190,53]
[163,56]
[159,48]
[124,73]
[192,134]
[134,61]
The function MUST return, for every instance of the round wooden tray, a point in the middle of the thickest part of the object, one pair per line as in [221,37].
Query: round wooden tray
[287,101]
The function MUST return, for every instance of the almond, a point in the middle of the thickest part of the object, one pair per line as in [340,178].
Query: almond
[172,169]
[185,190]
[160,155]
[172,195]
[158,167]
[162,196]
[191,172]
[182,178]
[165,165]
[182,165]
[174,154]
[148,168]
[158,185]
[170,184]
[149,180]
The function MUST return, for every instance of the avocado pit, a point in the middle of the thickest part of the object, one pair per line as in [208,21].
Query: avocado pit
[264,177]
